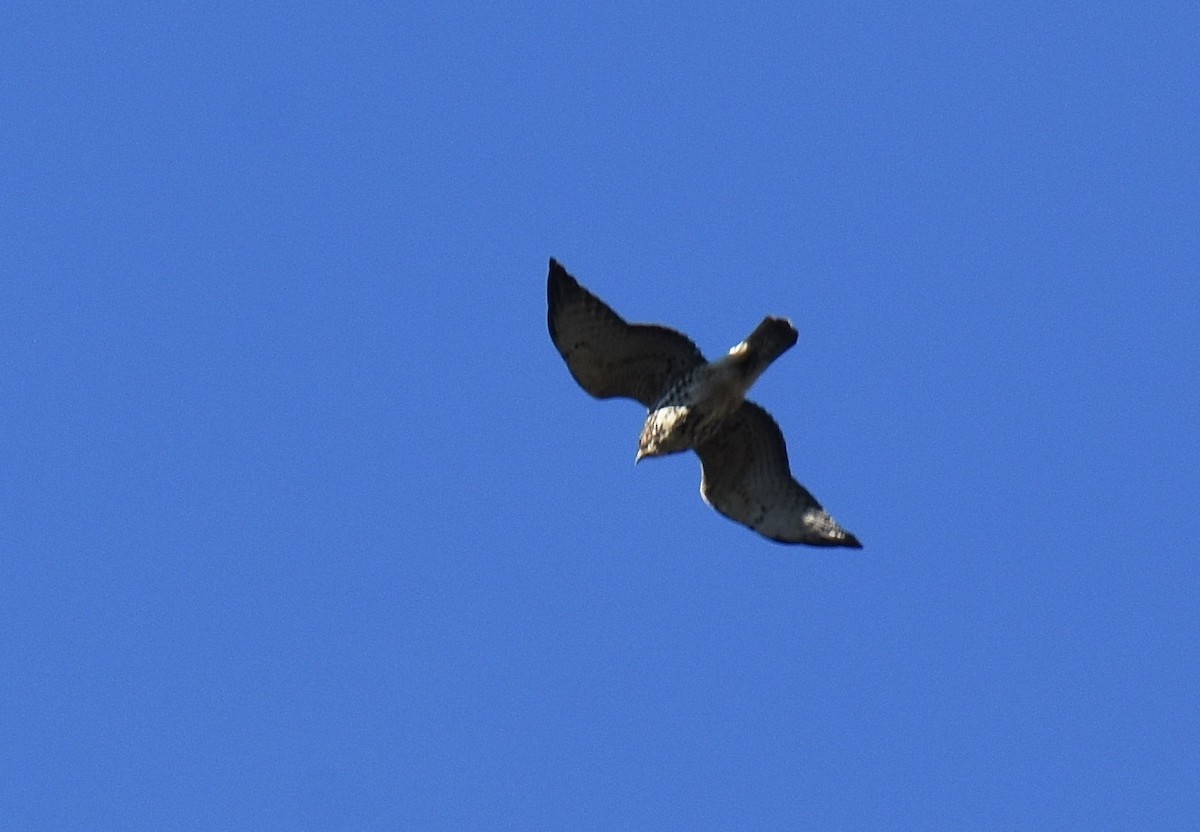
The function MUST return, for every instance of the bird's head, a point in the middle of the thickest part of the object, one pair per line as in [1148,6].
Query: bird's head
[663,433]
[651,440]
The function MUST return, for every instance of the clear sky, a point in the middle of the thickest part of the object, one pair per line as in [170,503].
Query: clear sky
[304,524]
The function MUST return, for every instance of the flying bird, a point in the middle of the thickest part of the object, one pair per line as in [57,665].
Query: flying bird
[696,405]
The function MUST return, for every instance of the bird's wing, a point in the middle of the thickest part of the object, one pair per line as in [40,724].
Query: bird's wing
[746,477]
[606,355]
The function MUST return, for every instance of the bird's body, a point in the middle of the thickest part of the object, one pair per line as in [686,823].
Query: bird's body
[695,405]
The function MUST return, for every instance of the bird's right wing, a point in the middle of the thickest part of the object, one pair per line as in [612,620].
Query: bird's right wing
[606,355]
[747,478]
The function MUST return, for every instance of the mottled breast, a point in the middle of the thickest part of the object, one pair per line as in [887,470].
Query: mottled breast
[689,412]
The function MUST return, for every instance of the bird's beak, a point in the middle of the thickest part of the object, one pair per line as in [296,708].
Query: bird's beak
[639,456]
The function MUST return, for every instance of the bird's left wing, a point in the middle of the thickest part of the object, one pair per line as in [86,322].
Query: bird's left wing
[606,355]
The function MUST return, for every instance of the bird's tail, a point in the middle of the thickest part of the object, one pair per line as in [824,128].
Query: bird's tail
[770,339]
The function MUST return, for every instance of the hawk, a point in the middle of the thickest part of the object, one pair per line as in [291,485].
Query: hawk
[695,405]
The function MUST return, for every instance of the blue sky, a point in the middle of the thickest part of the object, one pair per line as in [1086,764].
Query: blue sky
[306,526]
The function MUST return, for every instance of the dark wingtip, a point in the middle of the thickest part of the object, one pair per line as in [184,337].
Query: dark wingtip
[850,542]
[560,276]
[559,284]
